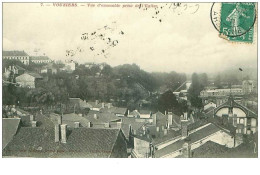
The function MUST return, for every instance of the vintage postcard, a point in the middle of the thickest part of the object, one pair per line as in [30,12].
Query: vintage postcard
[130,80]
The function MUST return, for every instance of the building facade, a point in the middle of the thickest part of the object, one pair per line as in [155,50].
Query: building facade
[40,59]
[16,55]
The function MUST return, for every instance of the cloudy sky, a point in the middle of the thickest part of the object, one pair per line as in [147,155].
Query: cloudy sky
[184,41]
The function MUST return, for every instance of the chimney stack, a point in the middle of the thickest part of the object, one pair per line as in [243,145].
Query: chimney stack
[97,102]
[185,116]
[31,118]
[184,128]
[95,116]
[157,129]
[103,105]
[128,112]
[34,124]
[59,119]
[170,118]
[89,124]
[63,133]
[186,150]
[109,105]
[165,113]
[154,119]
[165,132]
[57,133]
[107,125]
[76,124]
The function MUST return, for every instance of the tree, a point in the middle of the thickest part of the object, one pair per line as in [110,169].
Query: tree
[194,91]
[203,79]
[167,101]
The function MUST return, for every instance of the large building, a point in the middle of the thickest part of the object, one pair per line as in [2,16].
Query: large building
[220,96]
[16,55]
[243,119]
[40,59]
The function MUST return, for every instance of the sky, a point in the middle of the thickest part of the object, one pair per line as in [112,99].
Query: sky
[184,41]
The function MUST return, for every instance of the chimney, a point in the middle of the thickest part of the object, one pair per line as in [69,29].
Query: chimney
[89,124]
[184,128]
[31,118]
[59,119]
[63,128]
[128,112]
[165,132]
[103,105]
[57,133]
[34,124]
[109,105]
[186,150]
[154,119]
[97,102]
[76,124]
[170,118]
[165,113]
[107,125]
[95,116]
[157,129]
[185,116]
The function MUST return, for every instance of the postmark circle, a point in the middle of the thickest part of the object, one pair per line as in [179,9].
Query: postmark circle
[233,19]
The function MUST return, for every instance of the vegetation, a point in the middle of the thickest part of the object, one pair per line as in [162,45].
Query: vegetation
[124,85]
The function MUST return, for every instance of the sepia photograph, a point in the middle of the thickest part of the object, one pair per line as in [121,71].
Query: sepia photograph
[129,80]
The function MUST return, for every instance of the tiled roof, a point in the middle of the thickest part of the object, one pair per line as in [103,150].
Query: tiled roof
[70,119]
[133,122]
[209,149]
[10,126]
[161,119]
[209,109]
[126,130]
[101,117]
[14,53]
[78,101]
[39,58]
[81,142]
[195,136]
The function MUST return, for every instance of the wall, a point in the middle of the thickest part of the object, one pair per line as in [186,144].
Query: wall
[141,147]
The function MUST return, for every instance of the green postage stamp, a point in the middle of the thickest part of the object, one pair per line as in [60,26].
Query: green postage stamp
[237,21]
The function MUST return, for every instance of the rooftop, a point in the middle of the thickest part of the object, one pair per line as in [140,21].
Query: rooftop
[101,117]
[39,58]
[81,142]
[14,53]
[193,137]
[10,127]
